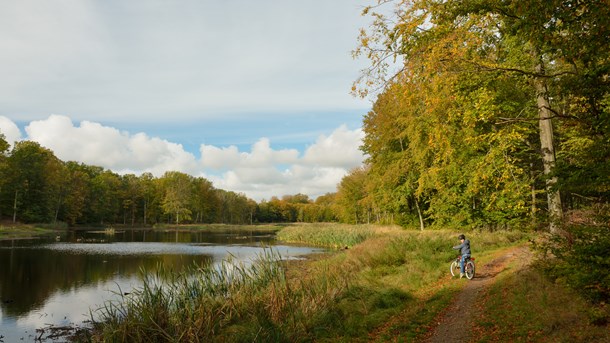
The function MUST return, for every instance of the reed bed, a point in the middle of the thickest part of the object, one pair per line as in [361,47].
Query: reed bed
[331,234]
[232,301]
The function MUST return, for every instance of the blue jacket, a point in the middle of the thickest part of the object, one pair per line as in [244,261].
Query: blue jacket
[464,248]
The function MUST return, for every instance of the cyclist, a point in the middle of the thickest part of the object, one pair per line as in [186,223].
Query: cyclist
[464,249]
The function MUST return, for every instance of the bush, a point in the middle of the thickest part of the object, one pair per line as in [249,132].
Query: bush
[579,258]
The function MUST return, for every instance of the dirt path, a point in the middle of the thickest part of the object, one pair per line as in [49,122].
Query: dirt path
[454,324]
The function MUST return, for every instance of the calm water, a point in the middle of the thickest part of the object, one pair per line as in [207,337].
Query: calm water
[47,282]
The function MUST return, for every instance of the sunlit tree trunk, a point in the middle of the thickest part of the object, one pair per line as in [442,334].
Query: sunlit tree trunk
[548,150]
[421,218]
[15,207]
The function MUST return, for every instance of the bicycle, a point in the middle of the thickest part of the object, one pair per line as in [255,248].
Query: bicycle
[469,267]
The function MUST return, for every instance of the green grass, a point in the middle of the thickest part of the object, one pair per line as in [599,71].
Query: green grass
[330,234]
[25,231]
[527,307]
[220,227]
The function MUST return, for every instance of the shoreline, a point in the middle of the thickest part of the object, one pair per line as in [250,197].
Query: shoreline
[32,231]
[13,232]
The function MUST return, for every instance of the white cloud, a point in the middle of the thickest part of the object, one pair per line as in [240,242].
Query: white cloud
[219,158]
[316,172]
[130,60]
[95,144]
[340,149]
[260,173]
[10,130]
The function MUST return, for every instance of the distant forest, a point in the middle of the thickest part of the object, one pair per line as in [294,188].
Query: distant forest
[37,187]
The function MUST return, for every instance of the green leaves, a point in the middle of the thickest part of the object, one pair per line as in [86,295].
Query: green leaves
[458,125]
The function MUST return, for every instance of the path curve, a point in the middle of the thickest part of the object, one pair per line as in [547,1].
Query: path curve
[455,324]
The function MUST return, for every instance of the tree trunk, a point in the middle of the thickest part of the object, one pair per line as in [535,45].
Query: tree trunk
[421,218]
[533,192]
[15,208]
[548,150]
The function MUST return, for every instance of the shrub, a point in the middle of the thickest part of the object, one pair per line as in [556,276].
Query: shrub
[580,258]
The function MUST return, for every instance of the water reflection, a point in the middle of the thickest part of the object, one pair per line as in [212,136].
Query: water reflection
[46,281]
[30,275]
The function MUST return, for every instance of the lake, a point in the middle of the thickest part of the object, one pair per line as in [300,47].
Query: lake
[56,281]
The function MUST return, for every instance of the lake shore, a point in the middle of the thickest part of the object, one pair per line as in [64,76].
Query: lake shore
[11,231]
[21,231]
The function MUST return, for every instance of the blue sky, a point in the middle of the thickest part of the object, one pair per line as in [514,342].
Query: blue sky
[253,95]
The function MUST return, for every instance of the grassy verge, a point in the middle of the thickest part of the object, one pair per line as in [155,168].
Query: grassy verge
[21,231]
[525,306]
[220,227]
[352,295]
[332,235]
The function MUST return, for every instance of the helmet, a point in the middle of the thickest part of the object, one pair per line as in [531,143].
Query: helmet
[461,237]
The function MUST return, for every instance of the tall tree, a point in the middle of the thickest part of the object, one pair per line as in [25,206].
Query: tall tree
[147,186]
[58,180]
[204,199]
[177,195]
[4,148]
[132,193]
[27,182]
[105,197]
[350,195]
[545,47]
[78,190]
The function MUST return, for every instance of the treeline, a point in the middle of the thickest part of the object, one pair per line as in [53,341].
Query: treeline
[37,187]
[499,113]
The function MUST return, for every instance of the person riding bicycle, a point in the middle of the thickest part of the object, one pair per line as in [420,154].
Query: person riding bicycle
[464,249]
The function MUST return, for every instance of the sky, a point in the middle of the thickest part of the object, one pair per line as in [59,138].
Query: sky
[252,95]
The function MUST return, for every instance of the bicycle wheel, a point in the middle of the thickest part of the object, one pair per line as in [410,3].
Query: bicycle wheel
[455,268]
[469,269]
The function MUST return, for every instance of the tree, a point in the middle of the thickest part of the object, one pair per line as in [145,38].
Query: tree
[205,203]
[27,183]
[132,193]
[104,197]
[350,195]
[177,194]
[147,187]
[4,147]
[58,181]
[454,51]
[76,196]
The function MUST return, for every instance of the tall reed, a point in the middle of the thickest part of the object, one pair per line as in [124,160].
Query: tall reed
[232,301]
[329,234]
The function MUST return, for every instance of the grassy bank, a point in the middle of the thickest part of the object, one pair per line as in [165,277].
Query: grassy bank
[332,235]
[526,306]
[220,227]
[21,231]
[352,295]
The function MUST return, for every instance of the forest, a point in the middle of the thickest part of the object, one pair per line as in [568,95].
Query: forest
[488,114]
[37,187]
